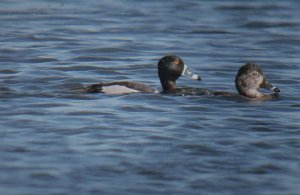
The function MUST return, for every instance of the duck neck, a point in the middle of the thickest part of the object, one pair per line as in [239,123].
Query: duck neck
[252,93]
[247,89]
[169,86]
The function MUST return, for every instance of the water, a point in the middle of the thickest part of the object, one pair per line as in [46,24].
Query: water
[56,141]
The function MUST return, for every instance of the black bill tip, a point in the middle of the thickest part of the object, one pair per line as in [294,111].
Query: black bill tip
[276,90]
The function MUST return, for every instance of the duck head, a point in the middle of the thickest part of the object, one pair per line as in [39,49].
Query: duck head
[170,68]
[249,79]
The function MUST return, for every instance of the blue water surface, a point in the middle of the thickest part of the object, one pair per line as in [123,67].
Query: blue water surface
[56,140]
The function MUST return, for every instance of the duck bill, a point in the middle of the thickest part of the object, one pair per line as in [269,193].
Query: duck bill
[186,72]
[265,84]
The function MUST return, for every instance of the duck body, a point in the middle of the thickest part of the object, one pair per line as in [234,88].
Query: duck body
[119,87]
[186,91]
[248,81]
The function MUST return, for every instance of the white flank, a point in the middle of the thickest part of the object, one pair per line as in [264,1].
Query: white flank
[117,89]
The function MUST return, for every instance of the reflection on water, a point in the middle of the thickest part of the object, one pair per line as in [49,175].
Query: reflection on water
[56,139]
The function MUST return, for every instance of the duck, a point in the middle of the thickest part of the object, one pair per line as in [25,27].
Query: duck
[249,79]
[169,67]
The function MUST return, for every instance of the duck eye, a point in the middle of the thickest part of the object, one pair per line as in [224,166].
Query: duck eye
[255,74]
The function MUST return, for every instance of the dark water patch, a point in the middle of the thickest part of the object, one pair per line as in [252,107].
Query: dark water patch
[93,58]
[65,18]
[275,65]
[210,31]
[47,105]
[262,129]
[160,137]
[195,125]
[263,169]
[6,51]
[9,95]
[48,79]
[77,96]
[138,108]
[137,67]
[6,59]
[38,94]
[290,81]
[38,60]
[28,112]
[6,90]
[200,149]
[69,88]
[196,108]
[16,12]
[37,39]
[98,171]
[281,41]
[49,38]
[17,149]
[264,145]
[252,6]
[153,173]
[83,68]
[43,176]
[293,142]
[102,50]
[8,71]
[262,24]
[67,131]
[295,105]
[85,113]
[74,31]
